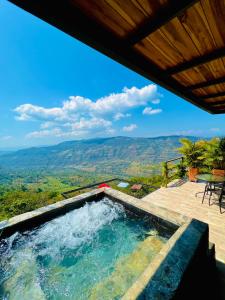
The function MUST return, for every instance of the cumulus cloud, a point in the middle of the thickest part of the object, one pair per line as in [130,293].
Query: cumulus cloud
[47,124]
[156,101]
[79,115]
[120,115]
[129,128]
[151,111]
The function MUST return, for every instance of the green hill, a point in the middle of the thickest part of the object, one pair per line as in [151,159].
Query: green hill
[93,152]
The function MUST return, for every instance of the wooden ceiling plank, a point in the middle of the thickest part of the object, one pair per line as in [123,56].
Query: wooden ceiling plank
[216,88]
[162,17]
[215,102]
[213,89]
[165,48]
[175,33]
[206,83]
[196,25]
[147,49]
[215,14]
[216,67]
[214,11]
[191,76]
[127,11]
[215,95]
[148,8]
[218,53]
[102,13]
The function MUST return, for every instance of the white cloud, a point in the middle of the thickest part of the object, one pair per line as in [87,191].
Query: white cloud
[129,128]
[45,133]
[79,115]
[47,124]
[120,115]
[156,101]
[150,111]
[6,137]
[91,124]
[215,129]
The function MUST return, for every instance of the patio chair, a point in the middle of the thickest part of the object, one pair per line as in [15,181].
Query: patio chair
[218,190]
[221,196]
[212,188]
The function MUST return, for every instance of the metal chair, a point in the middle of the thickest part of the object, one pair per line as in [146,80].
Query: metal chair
[218,189]
[211,188]
[221,195]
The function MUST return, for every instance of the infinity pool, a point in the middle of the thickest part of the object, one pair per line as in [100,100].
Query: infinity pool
[94,252]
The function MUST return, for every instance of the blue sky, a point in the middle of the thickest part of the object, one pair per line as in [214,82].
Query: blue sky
[54,88]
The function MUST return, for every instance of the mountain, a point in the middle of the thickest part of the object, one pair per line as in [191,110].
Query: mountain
[94,152]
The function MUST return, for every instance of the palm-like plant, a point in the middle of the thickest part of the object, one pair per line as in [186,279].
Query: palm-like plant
[214,154]
[192,152]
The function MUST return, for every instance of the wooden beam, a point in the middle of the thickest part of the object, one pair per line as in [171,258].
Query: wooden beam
[206,83]
[214,95]
[220,110]
[214,103]
[197,61]
[67,17]
[163,16]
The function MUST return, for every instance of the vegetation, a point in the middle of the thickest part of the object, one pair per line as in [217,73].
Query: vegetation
[203,154]
[36,177]
[149,184]
[112,155]
[171,171]
[23,191]
[213,154]
[192,152]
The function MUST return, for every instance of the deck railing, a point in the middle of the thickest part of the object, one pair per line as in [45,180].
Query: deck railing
[171,170]
[96,184]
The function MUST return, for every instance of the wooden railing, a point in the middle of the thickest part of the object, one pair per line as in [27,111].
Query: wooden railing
[171,171]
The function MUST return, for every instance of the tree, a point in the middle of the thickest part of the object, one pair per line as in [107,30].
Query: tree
[192,152]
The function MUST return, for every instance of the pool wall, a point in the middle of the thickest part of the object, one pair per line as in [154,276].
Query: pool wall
[183,269]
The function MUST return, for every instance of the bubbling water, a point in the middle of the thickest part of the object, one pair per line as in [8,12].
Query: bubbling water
[66,257]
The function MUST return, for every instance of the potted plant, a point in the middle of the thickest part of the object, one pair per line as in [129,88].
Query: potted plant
[192,152]
[214,156]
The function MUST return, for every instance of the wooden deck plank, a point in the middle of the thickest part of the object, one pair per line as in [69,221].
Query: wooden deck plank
[182,200]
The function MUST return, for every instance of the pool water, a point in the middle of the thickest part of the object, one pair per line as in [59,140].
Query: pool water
[94,252]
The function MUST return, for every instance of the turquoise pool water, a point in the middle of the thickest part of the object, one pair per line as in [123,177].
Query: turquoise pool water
[94,252]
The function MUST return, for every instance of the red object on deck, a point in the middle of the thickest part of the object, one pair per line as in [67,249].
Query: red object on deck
[103,185]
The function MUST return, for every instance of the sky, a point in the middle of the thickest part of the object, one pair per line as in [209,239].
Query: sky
[54,88]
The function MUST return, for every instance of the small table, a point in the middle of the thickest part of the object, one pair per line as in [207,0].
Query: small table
[210,180]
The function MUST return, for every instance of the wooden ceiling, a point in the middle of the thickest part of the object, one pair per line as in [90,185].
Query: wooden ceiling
[178,44]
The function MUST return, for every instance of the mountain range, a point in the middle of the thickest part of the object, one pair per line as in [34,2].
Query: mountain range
[92,152]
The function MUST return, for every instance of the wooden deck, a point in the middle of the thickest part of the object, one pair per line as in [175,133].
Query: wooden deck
[181,198]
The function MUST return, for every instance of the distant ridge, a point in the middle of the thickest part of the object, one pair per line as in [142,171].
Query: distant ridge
[94,151]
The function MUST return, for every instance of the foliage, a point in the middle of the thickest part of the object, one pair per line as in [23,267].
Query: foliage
[21,192]
[213,155]
[172,171]
[192,152]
